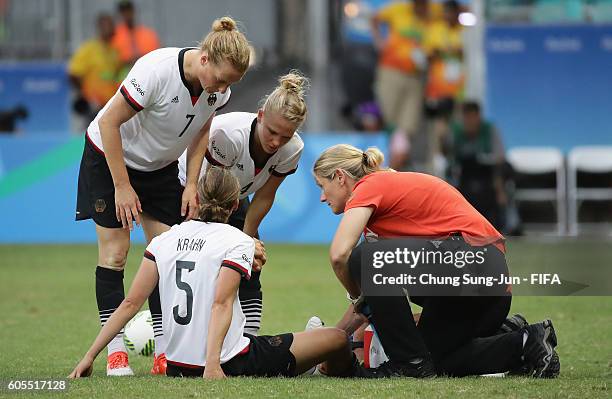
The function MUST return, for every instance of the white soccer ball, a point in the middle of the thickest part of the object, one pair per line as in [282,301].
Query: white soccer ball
[138,336]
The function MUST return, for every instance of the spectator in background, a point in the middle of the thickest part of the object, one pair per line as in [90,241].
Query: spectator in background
[399,76]
[445,78]
[94,69]
[477,162]
[132,40]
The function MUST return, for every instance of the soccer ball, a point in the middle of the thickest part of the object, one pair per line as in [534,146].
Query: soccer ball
[138,336]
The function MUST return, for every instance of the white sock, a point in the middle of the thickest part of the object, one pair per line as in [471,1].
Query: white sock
[160,344]
[117,344]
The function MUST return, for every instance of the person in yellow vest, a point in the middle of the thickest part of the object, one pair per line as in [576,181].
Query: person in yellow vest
[445,78]
[400,73]
[93,70]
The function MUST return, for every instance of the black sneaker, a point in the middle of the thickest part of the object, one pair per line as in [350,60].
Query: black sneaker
[513,323]
[539,351]
[423,368]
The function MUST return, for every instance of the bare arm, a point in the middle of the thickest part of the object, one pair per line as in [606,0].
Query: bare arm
[127,204]
[351,226]
[220,320]
[144,282]
[195,157]
[262,202]
[351,321]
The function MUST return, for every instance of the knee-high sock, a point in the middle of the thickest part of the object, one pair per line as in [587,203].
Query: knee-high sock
[252,306]
[156,315]
[109,295]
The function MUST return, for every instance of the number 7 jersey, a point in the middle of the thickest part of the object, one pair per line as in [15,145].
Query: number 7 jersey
[169,114]
[230,144]
[189,258]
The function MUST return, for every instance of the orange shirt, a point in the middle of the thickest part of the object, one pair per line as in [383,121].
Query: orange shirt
[403,50]
[406,32]
[133,44]
[410,204]
[446,76]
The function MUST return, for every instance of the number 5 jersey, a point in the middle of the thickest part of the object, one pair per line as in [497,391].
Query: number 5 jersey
[189,258]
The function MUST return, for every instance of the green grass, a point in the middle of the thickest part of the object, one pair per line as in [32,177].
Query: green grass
[49,319]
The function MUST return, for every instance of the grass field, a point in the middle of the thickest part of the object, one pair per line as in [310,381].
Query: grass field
[49,319]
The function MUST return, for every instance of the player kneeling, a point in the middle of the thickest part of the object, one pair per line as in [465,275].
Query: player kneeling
[199,265]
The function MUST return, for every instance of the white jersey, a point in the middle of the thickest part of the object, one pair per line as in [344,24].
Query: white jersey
[168,114]
[189,258]
[229,144]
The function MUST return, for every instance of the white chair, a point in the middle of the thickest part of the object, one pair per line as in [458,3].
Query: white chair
[537,161]
[590,159]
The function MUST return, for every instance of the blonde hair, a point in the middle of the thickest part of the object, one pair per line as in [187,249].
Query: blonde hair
[288,99]
[226,42]
[218,191]
[353,161]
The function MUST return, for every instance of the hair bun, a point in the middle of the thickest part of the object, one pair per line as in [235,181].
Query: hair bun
[294,81]
[224,23]
[373,158]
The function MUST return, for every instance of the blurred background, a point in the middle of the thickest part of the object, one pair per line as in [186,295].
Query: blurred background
[509,100]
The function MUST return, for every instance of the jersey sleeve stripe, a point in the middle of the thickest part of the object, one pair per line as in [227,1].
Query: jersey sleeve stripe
[239,268]
[95,147]
[149,255]
[133,103]
[283,174]
[211,160]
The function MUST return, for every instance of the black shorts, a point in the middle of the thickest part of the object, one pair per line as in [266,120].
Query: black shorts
[268,356]
[160,192]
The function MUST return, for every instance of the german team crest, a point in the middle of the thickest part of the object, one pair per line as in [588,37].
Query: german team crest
[212,99]
[100,205]
[276,340]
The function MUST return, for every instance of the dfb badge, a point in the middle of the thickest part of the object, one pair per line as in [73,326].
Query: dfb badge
[212,99]
[275,340]
[100,205]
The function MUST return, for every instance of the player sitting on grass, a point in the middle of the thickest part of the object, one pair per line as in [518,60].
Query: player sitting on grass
[261,149]
[199,265]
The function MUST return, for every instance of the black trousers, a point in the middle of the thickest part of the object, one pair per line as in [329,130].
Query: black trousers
[457,332]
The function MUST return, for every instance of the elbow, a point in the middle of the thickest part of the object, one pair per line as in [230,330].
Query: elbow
[338,259]
[104,123]
[131,305]
[266,200]
[221,305]
[267,205]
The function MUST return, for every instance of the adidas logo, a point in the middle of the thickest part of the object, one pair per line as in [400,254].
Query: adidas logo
[175,100]
[436,243]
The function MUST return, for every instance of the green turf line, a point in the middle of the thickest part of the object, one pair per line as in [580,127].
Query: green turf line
[41,168]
